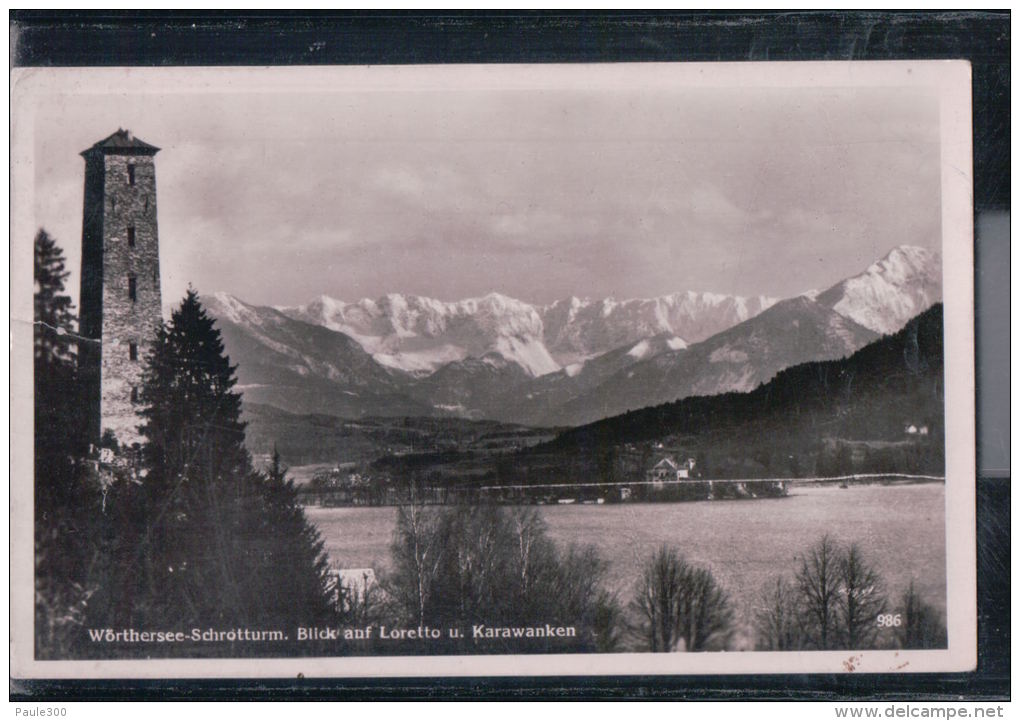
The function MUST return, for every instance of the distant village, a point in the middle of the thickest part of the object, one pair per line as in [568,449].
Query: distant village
[658,472]
[669,479]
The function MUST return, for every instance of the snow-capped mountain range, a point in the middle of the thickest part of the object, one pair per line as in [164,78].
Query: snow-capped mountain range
[419,335]
[569,362]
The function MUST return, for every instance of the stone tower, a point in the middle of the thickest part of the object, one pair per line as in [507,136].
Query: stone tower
[120,297]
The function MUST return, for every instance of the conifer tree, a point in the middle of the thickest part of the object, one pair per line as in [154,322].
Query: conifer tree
[218,543]
[65,501]
[54,317]
[57,411]
[193,415]
[288,549]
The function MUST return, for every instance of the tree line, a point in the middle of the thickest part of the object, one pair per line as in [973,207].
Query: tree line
[837,600]
[496,565]
[783,427]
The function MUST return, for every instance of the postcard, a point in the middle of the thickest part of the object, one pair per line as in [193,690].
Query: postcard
[492,370]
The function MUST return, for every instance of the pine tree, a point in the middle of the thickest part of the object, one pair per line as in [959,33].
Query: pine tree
[288,549]
[54,317]
[217,542]
[193,416]
[57,410]
[65,500]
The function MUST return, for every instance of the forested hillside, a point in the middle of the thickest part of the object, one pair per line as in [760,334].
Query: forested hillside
[852,414]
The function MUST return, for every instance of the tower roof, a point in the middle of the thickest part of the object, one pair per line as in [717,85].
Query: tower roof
[122,143]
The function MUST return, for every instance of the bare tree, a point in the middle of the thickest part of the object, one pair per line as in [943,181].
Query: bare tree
[359,601]
[658,599]
[818,582]
[479,563]
[838,599]
[677,602]
[608,624]
[921,626]
[533,563]
[861,599]
[489,564]
[707,617]
[417,555]
[777,618]
[576,580]
[529,532]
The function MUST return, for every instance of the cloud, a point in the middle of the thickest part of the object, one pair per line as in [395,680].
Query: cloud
[536,193]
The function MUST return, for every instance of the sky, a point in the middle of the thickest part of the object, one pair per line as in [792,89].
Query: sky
[454,187]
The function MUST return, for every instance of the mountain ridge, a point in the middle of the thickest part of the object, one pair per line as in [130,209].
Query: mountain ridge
[418,334]
[840,396]
[495,357]
[891,291]
[735,360]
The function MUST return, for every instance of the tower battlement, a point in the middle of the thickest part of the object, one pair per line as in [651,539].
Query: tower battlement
[121,306]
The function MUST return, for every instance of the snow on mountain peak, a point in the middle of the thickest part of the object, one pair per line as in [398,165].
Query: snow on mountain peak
[224,305]
[902,262]
[640,350]
[573,369]
[891,291]
[472,355]
[529,353]
[420,334]
[589,328]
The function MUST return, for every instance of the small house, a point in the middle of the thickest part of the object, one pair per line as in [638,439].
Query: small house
[668,470]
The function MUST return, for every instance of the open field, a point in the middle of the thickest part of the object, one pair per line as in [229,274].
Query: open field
[745,543]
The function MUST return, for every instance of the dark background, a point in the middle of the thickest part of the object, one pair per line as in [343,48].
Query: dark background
[96,38]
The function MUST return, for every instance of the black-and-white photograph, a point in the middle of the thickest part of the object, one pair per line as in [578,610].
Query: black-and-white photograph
[518,361]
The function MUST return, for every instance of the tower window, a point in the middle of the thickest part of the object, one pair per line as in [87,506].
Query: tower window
[134,394]
[132,288]
[133,351]
[131,175]
[131,236]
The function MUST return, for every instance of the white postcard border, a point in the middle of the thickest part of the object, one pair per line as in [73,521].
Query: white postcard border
[951,79]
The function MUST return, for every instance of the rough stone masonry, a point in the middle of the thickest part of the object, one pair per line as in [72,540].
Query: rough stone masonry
[121,307]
